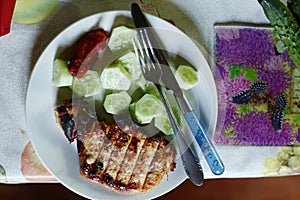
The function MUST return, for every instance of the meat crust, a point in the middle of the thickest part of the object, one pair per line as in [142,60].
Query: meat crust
[121,158]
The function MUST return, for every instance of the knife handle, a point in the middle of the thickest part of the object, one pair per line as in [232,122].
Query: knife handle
[137,14]
[213,159]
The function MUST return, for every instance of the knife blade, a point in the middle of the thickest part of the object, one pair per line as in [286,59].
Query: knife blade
[213,159]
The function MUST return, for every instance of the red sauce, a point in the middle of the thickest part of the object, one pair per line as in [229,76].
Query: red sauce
[86,53]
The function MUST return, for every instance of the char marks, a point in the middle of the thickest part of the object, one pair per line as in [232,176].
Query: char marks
[122,159]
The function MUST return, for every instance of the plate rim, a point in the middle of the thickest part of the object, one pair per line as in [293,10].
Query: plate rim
[35,69]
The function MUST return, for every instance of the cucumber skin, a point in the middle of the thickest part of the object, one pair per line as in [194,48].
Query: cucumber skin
[286,27]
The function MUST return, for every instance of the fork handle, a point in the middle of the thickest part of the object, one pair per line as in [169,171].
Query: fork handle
[213,159]
[190,161]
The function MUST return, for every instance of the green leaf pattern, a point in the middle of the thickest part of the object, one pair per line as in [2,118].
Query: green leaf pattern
[249,73]
[2,174]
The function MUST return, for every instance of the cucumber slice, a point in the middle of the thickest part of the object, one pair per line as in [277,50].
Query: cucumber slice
[186,76]
[148,107]
[141,81]
[130,63]
[116,103]
[115,77]
[162,122]
[175,107]
[120,41]
[60,73]
[150,88]
[33,11]
[88,85]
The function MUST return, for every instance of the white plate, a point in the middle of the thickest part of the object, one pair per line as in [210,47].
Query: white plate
[60,157]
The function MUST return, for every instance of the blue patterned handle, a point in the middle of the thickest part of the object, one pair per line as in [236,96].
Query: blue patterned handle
[214,161]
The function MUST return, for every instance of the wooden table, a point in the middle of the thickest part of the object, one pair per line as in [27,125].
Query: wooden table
[278,188]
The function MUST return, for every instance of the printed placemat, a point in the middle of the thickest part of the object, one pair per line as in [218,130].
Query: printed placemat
[258,88]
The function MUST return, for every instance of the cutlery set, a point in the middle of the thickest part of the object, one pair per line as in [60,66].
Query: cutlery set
[155,68]
[152,72]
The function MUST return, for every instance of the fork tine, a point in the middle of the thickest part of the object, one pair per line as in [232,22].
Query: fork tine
[139,52]
[145,48]
[141,56]
[148,63]
[147,42]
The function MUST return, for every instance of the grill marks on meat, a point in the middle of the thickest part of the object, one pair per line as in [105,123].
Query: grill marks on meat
[66,121]
[143,163]
[160,165]
[76,118]
[123,160]
[131,157]
[118,154]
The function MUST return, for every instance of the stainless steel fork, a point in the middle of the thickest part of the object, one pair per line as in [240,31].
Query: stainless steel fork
[151,70]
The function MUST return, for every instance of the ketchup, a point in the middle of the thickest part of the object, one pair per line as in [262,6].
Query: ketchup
[87,51]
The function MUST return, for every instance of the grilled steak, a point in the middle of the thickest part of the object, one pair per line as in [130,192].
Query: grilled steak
[122,158]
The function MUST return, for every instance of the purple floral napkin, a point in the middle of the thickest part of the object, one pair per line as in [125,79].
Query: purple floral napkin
[258,88]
